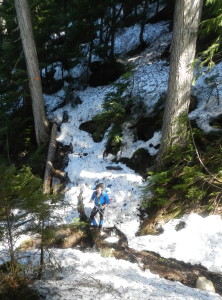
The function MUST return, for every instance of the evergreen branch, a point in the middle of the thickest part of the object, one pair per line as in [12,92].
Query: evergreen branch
[17,60]
[201,162]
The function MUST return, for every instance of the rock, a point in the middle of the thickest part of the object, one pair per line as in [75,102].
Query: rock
[145,128]
[180,225]
[139,162]
[117,168]
[75,100]
[204,284]
[104,73]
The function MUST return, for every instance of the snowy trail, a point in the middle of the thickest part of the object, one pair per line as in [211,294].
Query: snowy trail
[88,275]
[86,163]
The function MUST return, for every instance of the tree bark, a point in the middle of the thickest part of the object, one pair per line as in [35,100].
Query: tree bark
[49,164]
[28,42]
[186,21]
[143,22]
[47,189]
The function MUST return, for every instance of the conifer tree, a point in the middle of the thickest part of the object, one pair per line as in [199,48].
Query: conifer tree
[19,190]
[23,208]
[174,129]
[212,28]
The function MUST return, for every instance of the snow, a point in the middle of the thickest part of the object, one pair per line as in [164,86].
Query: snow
[209,104]
[127,39]
[199,242]
[89,275]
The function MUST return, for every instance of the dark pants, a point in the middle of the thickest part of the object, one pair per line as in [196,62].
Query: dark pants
[94,211]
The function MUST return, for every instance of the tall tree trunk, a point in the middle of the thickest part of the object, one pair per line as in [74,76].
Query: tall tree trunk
[112,30]
[143,22]
[186,21]
[28,42]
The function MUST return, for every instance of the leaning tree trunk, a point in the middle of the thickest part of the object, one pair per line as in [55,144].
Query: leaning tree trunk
[28,42]
[186,21]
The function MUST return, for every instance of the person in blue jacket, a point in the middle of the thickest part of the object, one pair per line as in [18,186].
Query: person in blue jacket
[101,200]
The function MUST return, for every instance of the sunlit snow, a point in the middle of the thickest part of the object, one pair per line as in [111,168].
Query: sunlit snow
[89,275]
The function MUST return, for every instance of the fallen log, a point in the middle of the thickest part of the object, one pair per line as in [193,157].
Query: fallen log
[59,174]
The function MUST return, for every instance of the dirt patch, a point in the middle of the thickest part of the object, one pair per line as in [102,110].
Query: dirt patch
[167,268]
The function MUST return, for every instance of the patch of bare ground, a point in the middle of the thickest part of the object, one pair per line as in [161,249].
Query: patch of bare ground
[167,268]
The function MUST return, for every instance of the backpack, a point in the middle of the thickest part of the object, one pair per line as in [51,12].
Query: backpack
[106,189]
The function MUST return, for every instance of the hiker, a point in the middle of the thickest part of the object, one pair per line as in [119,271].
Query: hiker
[101,200]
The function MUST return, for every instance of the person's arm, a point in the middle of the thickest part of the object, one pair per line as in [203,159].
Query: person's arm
[106,197]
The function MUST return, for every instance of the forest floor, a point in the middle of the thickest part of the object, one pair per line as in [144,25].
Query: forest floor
[167,268]
[88,238]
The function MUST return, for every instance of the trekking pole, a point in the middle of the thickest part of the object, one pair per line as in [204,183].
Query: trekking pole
[99,209]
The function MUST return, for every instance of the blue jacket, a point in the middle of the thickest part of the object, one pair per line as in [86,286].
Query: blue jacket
[101,200]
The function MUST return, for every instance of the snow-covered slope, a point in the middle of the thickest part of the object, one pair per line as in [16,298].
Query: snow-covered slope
[88,275]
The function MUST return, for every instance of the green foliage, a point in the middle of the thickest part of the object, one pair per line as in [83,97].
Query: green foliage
[23,206]
[37,159]
[17,138]
[56,27]
[211,30]
[78,223]
[155,193]
[119,106]
[107,252]
[15,125]
[185,179]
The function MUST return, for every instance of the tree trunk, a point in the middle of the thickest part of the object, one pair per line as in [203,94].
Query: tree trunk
[112,33]
[41,264]
[186,21]
[27,37]
[49,164]
[157,6]
[143,22]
